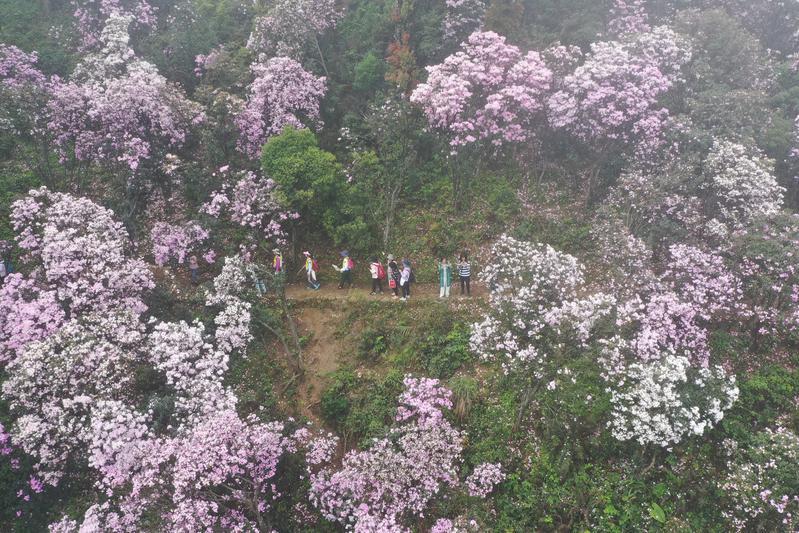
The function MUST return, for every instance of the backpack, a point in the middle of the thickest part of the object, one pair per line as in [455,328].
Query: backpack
[412,277]
[350,263]
[381,272]
[314,265]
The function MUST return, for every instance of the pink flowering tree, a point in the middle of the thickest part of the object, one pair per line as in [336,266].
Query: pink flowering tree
[82,252]
[224,472]
[252,202]
[487,91]
[53,385]
[119,112]
[611,101]
[91,16]
[208,468]
[281,94]
[290,26]
[24,94]
[80,264]
[380,488]
[487,94]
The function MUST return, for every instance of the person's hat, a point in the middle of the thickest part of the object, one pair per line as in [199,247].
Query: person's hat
[276,250]
[344,253]
[307,254]
[390,257]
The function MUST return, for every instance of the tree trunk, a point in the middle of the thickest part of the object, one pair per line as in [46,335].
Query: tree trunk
[321,57]
[292,328]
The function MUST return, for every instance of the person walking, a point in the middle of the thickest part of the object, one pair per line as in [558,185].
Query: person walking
[444,278]
[378,273]
[394,274]
[311,267]
[405,280]
[194,269]
[465,273]
[3,272]
[347,265]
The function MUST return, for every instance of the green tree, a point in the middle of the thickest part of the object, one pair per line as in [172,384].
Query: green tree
[315,186]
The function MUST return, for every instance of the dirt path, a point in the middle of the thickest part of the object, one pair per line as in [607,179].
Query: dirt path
[320,356]
[426,291]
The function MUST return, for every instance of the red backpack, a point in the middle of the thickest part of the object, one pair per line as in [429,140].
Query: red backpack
[381,272]
[350,263]
[314,265]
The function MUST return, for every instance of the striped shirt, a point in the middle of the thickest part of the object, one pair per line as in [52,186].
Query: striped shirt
[464,270]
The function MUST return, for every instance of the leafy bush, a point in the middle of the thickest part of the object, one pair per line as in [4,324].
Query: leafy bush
[443,355]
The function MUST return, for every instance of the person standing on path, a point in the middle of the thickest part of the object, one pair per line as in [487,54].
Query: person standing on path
[405,280]
[465,273]
[377,272]
[194,269]
[444,278]
[347,265]
[310,270]
[394,275]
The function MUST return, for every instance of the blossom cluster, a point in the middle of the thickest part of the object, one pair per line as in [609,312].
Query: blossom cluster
[290,25]
[462,18]
[628,16]
[251,202]
[376,489]
[662,401]
[177,242]
[80,265]
[484,478]
[613,96]
[488,90]
[24,92]
[742,184]
[117,109]
[534,300]
[91,15]
[281,94]
[763,483]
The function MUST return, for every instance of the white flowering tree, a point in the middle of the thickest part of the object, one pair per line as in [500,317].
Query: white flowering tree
[741,184]
[536,313]
[664,400]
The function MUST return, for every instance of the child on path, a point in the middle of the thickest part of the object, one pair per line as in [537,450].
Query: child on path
[405,280]
[346,270]
[394,275]
[376,269]
[310,270]
[444,278]
[465,273]
[194,268]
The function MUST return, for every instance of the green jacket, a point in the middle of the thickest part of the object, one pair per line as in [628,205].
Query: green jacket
[444,275]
